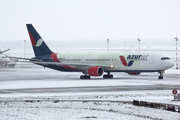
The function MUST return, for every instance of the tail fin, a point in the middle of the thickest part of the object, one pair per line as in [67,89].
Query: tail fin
[39,46]
[1,52]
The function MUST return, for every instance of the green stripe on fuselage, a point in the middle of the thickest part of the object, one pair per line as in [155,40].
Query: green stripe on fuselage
[103,58]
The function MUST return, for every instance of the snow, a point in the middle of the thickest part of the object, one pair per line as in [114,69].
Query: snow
[81,110]
[32,76]
[73,110]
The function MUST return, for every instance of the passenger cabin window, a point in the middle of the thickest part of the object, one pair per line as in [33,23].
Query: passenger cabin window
[165,58]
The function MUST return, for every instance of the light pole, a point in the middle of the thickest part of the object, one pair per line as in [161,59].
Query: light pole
[139,43]
[176,52]
[108,45]
[24,48]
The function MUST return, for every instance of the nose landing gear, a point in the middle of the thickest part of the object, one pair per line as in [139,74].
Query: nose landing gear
[161,75]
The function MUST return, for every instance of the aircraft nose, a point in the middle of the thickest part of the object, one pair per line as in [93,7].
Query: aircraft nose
[171,64]
[8,60]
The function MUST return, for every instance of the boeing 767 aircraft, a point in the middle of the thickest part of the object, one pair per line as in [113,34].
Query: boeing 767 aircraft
[96,64]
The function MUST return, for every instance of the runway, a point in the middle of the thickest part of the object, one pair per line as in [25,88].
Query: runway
[90,89]
[30,78]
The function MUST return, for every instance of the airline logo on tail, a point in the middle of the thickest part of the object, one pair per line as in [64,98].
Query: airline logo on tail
[39,42]
[34,43]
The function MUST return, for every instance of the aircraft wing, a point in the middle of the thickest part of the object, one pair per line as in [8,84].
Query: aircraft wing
[80,66]
[25,58]
[4,51]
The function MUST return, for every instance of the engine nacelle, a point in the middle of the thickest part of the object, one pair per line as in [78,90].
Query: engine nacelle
[95,71]
[134,73]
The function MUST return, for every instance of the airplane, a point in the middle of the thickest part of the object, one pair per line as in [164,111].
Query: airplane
[96,64]
[3,58]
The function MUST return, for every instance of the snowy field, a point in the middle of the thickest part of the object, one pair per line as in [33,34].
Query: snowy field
[82,111]
[85,110]
[29,77]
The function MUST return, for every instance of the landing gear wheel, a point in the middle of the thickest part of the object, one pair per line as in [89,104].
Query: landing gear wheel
[160,77]
[107,76]
[85,77]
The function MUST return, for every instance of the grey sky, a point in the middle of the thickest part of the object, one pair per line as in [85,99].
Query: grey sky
[90,19]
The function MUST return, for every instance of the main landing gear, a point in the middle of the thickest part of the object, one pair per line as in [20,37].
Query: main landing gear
[108,75]
[85,77]
[161,75]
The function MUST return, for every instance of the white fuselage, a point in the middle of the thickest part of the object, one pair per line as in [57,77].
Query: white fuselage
[4,59]
[125,61]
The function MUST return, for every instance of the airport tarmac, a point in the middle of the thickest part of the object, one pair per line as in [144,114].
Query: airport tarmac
[96,98]
[31,78]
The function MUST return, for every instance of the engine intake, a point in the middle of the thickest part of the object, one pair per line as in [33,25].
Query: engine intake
[95,71]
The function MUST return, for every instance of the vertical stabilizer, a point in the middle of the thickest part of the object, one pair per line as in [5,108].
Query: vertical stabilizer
[39,46]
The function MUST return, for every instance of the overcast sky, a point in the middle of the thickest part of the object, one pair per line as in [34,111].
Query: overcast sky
[90,19]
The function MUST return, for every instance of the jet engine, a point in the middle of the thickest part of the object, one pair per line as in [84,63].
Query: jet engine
[134,73]
[95,71]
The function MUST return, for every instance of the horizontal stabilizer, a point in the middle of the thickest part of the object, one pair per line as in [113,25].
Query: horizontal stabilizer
[25,58]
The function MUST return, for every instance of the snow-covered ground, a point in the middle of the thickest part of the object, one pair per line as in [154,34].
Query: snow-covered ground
[85,110]
[32,76]
[82,111]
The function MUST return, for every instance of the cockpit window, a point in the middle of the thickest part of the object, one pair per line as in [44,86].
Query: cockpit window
[165,58]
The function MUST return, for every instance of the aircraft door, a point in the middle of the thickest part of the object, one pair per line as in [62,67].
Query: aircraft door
[82,59]
[151,59]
